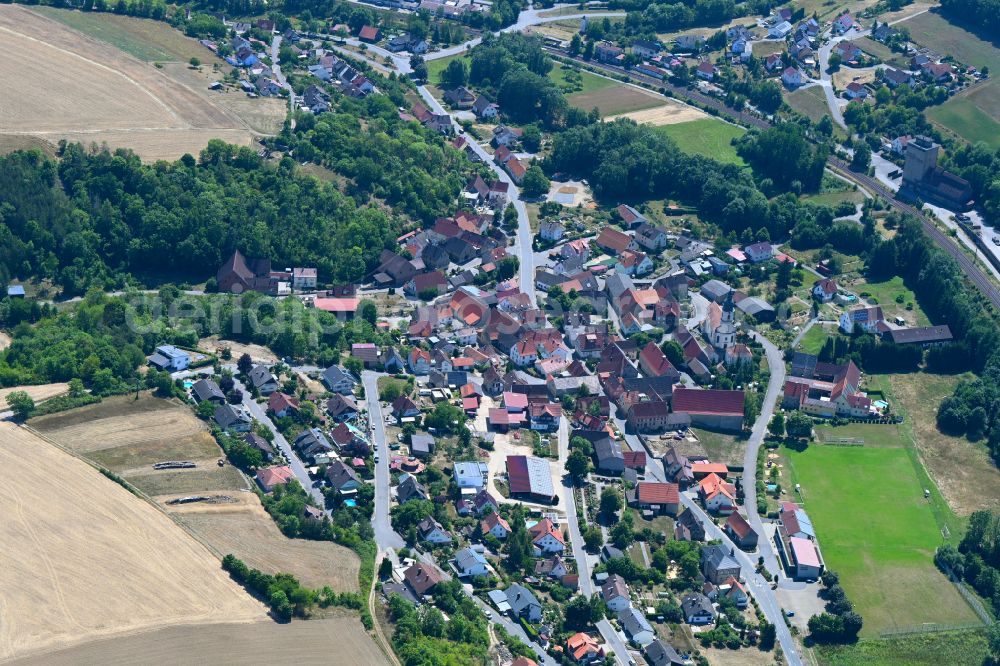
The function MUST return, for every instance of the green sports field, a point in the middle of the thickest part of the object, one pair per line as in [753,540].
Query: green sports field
[877,531]
[708,136]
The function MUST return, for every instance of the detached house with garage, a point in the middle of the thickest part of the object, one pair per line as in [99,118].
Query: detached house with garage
[546,537]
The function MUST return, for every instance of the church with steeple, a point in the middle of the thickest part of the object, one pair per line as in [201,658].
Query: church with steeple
[719,326]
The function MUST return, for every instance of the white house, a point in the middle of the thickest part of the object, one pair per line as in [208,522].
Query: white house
[470,563]
[339,380]
[170,358]
[551,232]
[615,593]
[791,77]
[856,91]
[494,524]
[636,627]
[303,278]
[780,30]
[759,252]
[473,474]
[843,23]
[825,290]
[867,318]
[431,531]
[546,537]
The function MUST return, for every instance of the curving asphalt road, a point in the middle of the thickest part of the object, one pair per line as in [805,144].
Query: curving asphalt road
[522,241]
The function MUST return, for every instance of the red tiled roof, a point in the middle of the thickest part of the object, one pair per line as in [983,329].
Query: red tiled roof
[738,525]
[648,492]
[708,401]
[613,239]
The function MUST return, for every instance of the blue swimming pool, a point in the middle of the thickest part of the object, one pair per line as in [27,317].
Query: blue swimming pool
[350,502]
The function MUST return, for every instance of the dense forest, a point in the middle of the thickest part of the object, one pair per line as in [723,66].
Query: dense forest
[512,69]
[628,162]
[92,219]
[981,14]
[103,340]
[646,18]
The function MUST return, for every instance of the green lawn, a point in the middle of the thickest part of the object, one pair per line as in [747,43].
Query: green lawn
[145,39]
[721,447]
[832,199]
[955,648]
[810,102]
[435,67]
[708,136]
[968,114]
[876,529]
[886,293]
[814,339]
[588,82]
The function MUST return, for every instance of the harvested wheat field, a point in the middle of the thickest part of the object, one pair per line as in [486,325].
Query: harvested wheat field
[246,530]
[38,392]
[84,559]
[670,113]
[127,436]
[61,83]
[339,640]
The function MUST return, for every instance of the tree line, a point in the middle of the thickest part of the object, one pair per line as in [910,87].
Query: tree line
[977,558]
[981,14]
[92,219]
[513,69]
[625,161]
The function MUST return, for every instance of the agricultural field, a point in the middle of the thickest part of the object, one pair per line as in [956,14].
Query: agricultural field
[249,533]
[931,30]
[973,115]
[129,436]
[97,93]
[884,552]
[615,99]
[339,640]
[145,39]
[38,392]
[969,480]
[709,137]
[105,562]
[669,113]
[810,102]
[955,648]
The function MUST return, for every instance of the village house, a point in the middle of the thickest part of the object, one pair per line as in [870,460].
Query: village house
[740,531]
[269,477]
[206,390]
[546,537]
[660,498]
[339,380]
[431,531]
[717,494]
[867,318]
[584,649]
[717,564]
[421,578]
[233,418]
[470,563]
[697,609]
[615,594]
[262,380]
[494,524]
[825,290]
[282,405]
